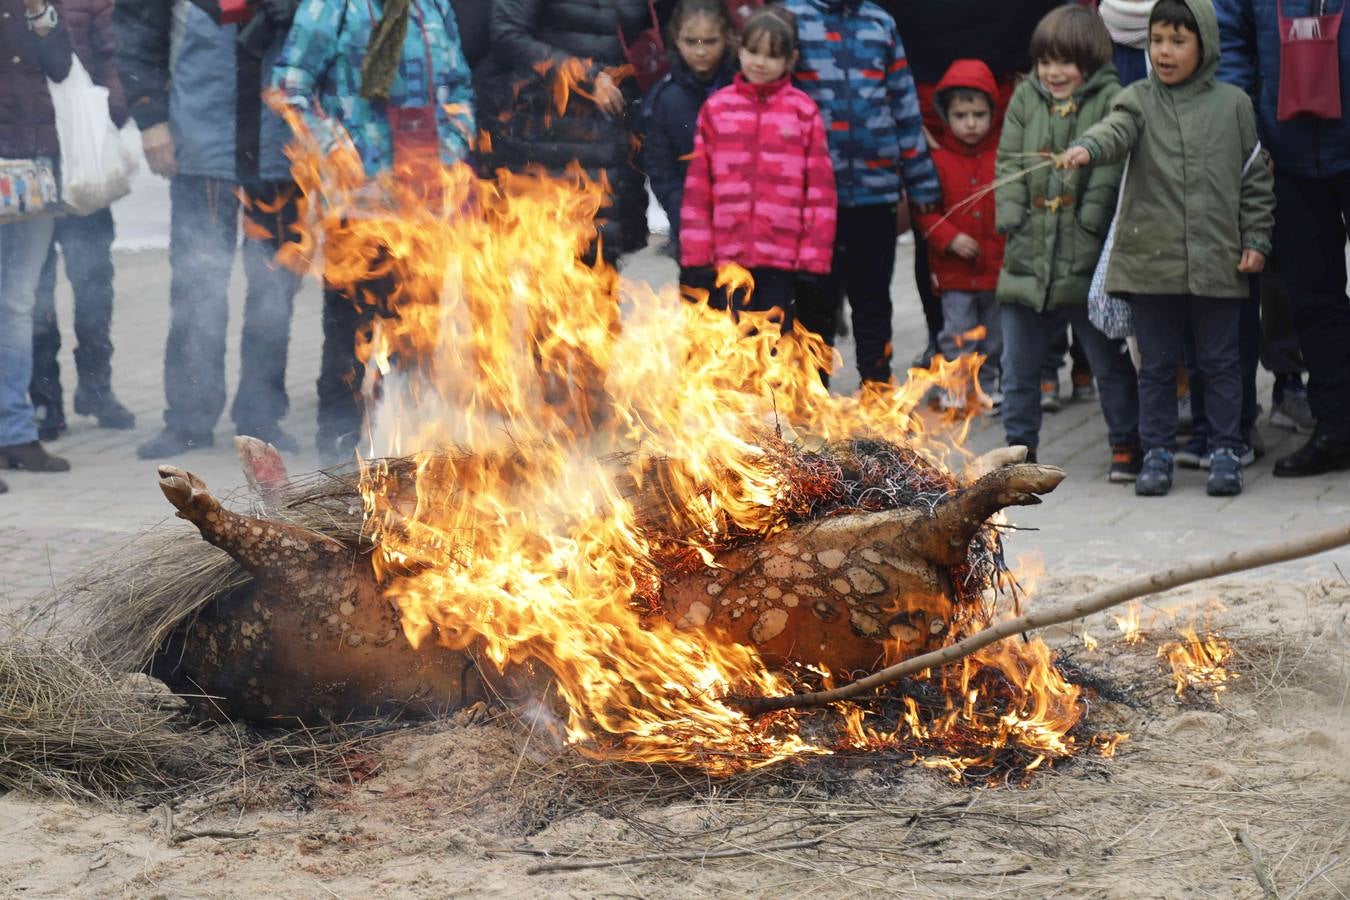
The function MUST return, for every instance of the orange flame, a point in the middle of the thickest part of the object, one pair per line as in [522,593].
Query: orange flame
[494,335]
[1198,663]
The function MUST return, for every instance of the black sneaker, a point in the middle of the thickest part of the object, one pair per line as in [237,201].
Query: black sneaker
[51,421]
[105,407]
[173,441]
[32,457]
[1225,473]
[1155,475]
[1126,461]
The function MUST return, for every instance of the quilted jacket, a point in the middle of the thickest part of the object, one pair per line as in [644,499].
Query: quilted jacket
[27,123]
[965,171]
[319,73]
[760,190]
[91,35]
[1055,219]
[853,65]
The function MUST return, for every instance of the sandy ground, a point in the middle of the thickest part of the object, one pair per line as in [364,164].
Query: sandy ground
[468,808]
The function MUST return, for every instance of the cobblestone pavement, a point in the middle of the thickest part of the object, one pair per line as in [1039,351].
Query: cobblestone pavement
[52,526]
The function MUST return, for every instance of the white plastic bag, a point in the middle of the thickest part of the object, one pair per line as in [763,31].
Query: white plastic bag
[96,167]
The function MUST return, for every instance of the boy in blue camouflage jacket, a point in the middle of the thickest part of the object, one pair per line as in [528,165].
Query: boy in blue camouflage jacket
[853,65]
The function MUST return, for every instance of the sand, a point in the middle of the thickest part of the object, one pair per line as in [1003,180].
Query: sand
[469,807]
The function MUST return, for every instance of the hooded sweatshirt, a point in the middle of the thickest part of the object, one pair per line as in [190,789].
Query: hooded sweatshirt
[760,190]
[1197,192]
[964,170]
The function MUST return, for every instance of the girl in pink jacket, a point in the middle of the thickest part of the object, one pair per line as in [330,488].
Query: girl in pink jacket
[760,189]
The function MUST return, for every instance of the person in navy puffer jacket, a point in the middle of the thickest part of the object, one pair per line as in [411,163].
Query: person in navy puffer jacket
[702,63]
[1311,155]
[853,65]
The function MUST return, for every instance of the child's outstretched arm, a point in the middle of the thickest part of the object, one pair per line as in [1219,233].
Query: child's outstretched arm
[1256,207]
[1112,139]
[696,213]
[820,204]
[917,171]
[1012,196]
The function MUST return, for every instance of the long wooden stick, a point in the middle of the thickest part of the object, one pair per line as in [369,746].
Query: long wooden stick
[1236,561]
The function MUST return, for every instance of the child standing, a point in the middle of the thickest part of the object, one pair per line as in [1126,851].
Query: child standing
[702,64]
[760,190]
[1195,223]
[1055,221]
[853,66]
[964,247]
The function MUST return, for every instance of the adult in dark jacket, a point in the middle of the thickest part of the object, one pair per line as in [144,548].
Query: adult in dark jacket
[34,47]
[1311,155]
[532,41]
[85,244]
[204,126]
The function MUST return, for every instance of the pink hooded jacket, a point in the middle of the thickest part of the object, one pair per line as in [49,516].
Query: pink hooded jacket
[760,189]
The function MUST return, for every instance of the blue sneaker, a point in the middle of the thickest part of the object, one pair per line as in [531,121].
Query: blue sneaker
[1155,477]
[1225,473]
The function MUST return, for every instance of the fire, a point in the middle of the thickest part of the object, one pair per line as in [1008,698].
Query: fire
[1128,622]
[497,337]
[1198,663]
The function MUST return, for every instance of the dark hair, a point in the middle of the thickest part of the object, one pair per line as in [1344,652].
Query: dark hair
[688,9]
[1072,34]
[1177,14]
[775,25]
[945,98]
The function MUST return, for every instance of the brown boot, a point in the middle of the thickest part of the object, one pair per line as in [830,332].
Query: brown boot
[31,456]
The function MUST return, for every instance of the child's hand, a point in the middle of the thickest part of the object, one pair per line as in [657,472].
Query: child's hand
[1252,261]
[964,246]
[1073,158]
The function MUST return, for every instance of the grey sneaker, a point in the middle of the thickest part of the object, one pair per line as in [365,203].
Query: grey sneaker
[1293,412]
[1155,477]
[1225,474]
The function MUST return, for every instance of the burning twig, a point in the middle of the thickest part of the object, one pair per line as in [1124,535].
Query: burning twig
[1236,561]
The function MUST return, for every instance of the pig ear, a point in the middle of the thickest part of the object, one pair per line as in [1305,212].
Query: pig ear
[264,469]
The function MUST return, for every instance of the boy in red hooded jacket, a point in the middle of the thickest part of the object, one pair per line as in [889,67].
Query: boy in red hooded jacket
[965,250]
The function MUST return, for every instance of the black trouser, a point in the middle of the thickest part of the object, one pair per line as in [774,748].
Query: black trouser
[341,410]
[1280,352]
[86,248]
[773,289]
[864,260]
[1160,323]
[203,236]
[923,282]
[1311,220]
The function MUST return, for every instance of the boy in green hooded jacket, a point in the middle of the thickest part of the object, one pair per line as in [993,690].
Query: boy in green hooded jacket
[1194,224]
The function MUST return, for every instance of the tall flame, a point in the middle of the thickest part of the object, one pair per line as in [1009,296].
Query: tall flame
[497,336]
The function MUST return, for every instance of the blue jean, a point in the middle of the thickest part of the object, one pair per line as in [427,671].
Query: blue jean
[23,248]
[203,235]
[1027,335]
[962,312]
[86,248]
[1160,325]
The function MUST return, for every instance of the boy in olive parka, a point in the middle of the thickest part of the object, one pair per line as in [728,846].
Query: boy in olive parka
[1056,221]
[1195,220]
